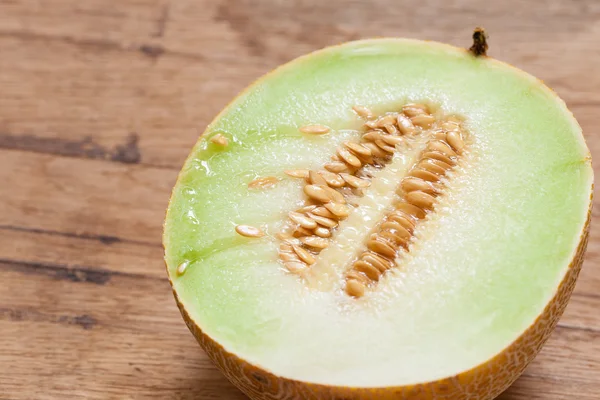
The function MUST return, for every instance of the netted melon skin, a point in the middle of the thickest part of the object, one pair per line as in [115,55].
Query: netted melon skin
[483,382]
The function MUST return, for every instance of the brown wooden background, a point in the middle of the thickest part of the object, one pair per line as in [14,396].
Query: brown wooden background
[100,102]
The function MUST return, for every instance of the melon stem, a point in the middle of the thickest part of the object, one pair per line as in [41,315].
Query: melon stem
[480,46]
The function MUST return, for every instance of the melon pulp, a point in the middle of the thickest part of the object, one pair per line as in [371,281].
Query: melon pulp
[464,314]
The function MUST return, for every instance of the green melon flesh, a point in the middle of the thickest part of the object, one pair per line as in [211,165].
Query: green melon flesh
[479,280]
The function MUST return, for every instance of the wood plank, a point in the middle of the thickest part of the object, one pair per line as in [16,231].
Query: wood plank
[121,339]
[41,191]
[531,387]
[125,337]
[91,19]
[106,104]
[81,256]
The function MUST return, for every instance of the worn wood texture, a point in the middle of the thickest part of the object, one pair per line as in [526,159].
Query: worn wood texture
[100,102]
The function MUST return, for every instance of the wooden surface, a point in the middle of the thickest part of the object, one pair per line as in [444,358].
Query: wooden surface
[100,102]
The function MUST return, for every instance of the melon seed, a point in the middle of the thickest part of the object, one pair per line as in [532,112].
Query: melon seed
[423,120]
[373,135]
[315,129]
[220,140]
[455,141]
[337,209]
[334,195]
[398,229]
[249,231]
[420,199]
[304,209]
[354,288]
[384,146]
[333,180]
[403,219]
[263,183]
[362,111]
[182,267]
[410,184]
[381,247]
[392,140]
[375,150]
[304,255]
[405,124]
[349,158]
[315,241]
[322,232]
[411,210]
[317,193]
[354,181]
[442,147]
[300,231]
[323,212]
[412,109]
[324,221]
[316,179]
[391,129]
[439,156]
[370,271]
[295,267]
[357,149]
[287,256]
[297,173]
[431,166]
[377,261]
[302,220]
[423,174]
[335,167]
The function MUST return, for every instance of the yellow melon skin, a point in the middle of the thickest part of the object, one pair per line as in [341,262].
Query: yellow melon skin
[483,382]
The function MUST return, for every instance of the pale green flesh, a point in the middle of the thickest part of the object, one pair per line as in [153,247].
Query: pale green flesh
[483,276]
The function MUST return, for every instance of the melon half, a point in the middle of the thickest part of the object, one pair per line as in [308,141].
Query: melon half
[293,309]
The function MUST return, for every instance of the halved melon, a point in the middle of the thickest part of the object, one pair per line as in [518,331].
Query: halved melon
[384,219]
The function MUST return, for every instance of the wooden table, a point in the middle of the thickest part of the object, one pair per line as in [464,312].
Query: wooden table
[100,102]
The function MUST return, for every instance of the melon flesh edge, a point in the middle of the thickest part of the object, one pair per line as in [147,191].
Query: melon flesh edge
[502,241]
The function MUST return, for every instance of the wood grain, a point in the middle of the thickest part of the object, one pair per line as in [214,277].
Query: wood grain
[100,102]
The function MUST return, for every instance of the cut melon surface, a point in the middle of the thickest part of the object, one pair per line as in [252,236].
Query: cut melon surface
[487,266]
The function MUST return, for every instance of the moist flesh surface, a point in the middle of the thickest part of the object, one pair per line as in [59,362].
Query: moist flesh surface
[488,262]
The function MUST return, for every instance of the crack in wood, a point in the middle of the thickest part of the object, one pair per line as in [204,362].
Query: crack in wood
[161,23]
[76,273]
[127,152]
[103,44]
[105,239]
[84,321]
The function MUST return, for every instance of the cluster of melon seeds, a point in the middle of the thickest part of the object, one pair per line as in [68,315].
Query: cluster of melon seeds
[419,191]
[330,190]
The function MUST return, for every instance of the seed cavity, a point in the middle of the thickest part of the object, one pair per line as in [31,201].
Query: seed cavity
[331,192]
[249,231]
[219,140]
[419,193]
